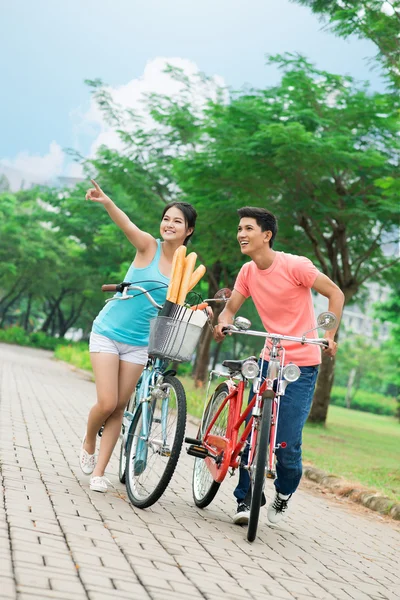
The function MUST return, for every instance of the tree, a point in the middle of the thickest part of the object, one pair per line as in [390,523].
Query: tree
[319,150]
[376,20]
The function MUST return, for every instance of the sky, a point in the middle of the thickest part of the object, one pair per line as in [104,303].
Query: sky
[48,49]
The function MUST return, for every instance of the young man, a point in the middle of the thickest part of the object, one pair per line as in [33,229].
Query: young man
[280,285]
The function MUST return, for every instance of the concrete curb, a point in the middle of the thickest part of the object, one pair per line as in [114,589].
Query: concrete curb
[367,497]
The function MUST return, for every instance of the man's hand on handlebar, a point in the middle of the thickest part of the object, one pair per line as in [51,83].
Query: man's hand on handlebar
[331,349]
[219,335]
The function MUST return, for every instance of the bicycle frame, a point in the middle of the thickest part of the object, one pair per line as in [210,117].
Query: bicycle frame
[154,368]
[230,444]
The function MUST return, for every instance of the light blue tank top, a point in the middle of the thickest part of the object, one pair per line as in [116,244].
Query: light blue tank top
[128,321]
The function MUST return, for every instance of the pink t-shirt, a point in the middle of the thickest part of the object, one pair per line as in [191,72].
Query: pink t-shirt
[282,296]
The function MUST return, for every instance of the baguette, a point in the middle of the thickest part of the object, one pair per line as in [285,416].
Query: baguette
[178,264]
[196,276]
[190,262]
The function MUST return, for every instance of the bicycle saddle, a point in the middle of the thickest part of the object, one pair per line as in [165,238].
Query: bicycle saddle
[236,365]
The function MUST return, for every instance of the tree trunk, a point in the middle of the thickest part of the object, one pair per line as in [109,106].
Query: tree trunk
[53,302]
[203,352]
[202,357]
[216,355]
[322,395]
[7,307]
[28,313]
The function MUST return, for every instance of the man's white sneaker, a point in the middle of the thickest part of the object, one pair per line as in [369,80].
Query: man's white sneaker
[277,508]
[99,484]
[86,461]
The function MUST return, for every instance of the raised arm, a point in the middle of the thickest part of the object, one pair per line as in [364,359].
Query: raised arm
[226,317]
[138,238]
[325,286]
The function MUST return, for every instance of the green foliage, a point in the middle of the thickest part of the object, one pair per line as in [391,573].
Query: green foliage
[18,335]
[390,311]
[314,149]
[75,354]
[365,401]
[373,365]
[14,335]
[375,20]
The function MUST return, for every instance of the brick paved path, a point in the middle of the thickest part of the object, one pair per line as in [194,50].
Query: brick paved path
[59,540]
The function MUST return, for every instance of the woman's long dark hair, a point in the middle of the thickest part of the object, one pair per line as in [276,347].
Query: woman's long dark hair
[188,211]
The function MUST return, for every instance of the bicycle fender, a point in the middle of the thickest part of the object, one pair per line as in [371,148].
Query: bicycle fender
[169,372]
[230,384]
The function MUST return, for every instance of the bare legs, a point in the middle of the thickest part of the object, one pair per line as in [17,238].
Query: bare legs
[115,383]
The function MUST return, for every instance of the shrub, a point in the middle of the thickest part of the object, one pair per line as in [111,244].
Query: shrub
[14,335]
[38,339]
[365,401]
[75,353]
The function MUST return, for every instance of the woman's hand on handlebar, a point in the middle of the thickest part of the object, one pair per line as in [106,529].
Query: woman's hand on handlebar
[96,194]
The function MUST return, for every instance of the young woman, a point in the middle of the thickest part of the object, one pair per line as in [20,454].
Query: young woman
[120,333]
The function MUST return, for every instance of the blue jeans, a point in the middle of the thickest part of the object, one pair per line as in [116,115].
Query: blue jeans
[293,412]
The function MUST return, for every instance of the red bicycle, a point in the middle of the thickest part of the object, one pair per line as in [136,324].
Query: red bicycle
[219,444]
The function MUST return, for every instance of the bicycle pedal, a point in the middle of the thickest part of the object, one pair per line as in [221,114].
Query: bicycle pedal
[197,451]
[165,451]
[189,440]
[271,474]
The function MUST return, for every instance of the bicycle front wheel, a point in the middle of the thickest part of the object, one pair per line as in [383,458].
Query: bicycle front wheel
[204,488]
[257,469]
[154,442]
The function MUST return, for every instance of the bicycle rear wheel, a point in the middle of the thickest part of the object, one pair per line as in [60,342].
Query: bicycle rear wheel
[257,469]
[204,488]
[151,459]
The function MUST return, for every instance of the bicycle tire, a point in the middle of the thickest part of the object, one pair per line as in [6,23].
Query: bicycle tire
[146,499]
[122,463]
[259,462]
[122,451]
[204,488]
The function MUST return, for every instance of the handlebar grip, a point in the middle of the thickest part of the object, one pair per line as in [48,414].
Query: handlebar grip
[325,343]
[226,329]
[109,287]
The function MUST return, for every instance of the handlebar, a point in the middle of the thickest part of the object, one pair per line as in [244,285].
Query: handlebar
[123,289]
[276,337]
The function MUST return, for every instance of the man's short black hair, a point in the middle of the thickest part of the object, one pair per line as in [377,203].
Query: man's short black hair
[264,218]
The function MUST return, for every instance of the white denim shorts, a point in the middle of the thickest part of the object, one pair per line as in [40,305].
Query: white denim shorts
[133,354]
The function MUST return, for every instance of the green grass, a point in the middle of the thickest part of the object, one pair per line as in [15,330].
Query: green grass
[358,446]
[75,354]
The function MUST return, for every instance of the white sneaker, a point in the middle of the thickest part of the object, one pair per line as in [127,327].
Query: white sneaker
[277,508]
[99,484]
[86,461]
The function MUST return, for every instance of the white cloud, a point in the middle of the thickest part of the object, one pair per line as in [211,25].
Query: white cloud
[388,9]
[38,168]
[133,95]
[90,125]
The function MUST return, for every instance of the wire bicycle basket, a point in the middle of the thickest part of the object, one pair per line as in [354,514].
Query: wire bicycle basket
[176,337]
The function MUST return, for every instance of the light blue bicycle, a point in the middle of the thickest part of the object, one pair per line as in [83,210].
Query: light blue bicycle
[154,423]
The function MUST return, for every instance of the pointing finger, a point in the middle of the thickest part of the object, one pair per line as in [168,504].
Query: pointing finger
[98,188]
